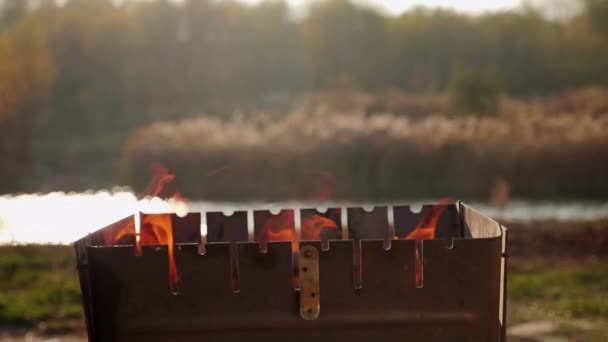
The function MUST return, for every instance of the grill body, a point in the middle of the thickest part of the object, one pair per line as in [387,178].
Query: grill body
[367,284]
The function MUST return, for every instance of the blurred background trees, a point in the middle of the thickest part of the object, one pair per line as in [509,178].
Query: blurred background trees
[475,92]
[78,77]
[26,76]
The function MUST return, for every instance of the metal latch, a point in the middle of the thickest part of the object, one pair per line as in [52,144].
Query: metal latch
[309,283]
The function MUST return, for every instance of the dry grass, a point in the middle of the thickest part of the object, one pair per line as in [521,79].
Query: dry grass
[548,148]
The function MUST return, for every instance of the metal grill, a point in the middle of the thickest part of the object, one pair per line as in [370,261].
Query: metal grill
[355,282]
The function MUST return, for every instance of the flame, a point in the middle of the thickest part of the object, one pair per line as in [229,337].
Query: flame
[155,229]
[118,231]
[280,228]
[425,230]
[160,177]
[158,230]
[285,235]
[315,225]
[114,235]
[178,197]
[327,189]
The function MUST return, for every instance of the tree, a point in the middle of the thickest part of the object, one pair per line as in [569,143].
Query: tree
[11,11]
[343,39]
[429,44]
[26,75]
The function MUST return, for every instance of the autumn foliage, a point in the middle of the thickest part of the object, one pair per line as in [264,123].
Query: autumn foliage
[77,78]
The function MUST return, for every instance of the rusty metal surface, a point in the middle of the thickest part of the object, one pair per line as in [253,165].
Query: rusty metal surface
[131,299]
[372,224]
[222,228]
[448,225]
[128,296]
[186,229]
[310,295]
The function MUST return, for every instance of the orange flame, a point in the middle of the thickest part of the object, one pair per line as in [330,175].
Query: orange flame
[178,197]
[329,181]
[118,231]
[112,236]
[155,229]
[160,177]
[315,225]
[280,228]
[425,230]
[158,230]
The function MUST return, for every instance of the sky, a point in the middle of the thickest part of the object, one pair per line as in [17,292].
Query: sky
[398,6]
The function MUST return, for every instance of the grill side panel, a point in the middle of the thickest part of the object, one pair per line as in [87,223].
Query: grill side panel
[458,301]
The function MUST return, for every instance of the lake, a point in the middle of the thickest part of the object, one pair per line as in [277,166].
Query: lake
[65,217]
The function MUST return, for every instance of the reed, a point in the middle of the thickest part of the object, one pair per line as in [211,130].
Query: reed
[554,147]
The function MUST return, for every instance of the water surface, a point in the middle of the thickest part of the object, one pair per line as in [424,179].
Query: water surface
[65,217]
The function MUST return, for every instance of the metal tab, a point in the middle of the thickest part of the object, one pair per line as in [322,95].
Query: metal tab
[309,283]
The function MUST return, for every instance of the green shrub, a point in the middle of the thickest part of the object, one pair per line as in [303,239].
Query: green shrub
[10,265]
[39,286]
